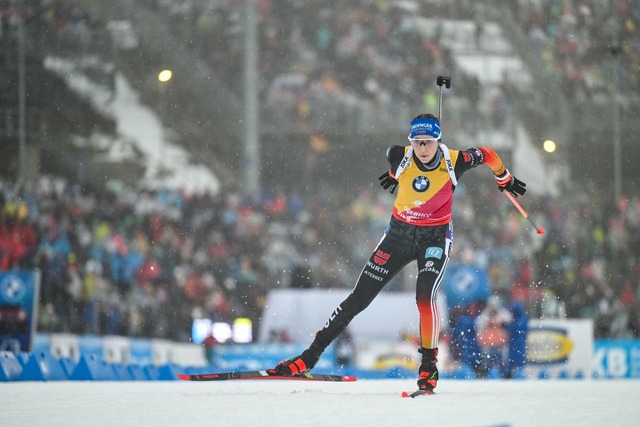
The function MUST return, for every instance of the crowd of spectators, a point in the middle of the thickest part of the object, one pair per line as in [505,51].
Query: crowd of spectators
[145,263]
[585,266]
[327,60]
[319,61]
[360,57]
[366,58]
[55,25]
[579,41]
[123,261]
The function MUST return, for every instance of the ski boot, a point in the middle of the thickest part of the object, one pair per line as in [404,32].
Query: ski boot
[296,365]
[428,379]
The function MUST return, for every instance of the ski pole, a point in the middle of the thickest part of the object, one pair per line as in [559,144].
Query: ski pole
[442,80]
[539,230]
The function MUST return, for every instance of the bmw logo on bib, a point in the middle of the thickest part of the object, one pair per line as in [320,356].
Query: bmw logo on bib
[421,184]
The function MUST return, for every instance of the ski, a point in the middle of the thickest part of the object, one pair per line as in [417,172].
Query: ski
[263,375]
[418,393]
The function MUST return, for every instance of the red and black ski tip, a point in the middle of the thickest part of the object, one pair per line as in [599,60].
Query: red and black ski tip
[418,393]
[263,375]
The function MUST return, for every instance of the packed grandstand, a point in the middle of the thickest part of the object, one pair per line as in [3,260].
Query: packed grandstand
[119,259]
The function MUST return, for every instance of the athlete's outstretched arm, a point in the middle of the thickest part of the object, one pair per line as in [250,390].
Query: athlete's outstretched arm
[504,178]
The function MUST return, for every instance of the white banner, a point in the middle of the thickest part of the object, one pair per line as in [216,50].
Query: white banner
[560,346]
[300,313]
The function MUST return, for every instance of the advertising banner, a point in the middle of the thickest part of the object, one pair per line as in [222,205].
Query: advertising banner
[262,356]
[616,359]
[558,347]
[18,308]
[299,313]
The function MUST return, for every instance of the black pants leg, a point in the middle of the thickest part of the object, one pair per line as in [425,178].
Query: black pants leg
[400,244]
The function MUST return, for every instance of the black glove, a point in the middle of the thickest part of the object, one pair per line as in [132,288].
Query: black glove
[513,185]
[386,181]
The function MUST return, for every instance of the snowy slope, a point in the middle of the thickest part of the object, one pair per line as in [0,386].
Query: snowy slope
[285,403]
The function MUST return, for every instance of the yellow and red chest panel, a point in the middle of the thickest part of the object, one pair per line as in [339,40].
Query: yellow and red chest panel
[425,197]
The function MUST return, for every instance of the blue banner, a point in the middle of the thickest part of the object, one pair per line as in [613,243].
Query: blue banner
[464,284]
[616,359]
[18,308]
[262,356]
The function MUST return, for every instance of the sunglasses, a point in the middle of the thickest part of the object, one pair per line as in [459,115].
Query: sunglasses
[423,141]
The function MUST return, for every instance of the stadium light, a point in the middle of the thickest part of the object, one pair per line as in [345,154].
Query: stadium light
[164,76]
[549,146]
